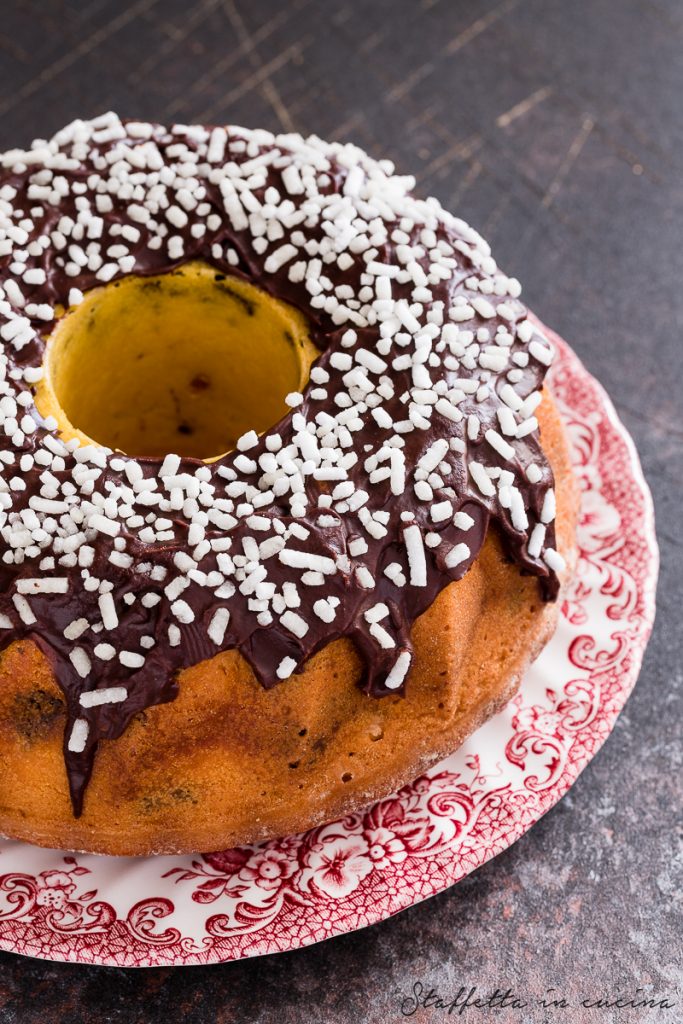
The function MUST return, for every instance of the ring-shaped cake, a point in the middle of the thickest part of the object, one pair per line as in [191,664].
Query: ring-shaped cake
[269,419]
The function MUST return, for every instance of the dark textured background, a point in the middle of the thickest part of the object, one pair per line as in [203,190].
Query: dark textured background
[556,128]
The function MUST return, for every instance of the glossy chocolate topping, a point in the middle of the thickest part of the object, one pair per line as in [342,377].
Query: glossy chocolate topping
[346,518]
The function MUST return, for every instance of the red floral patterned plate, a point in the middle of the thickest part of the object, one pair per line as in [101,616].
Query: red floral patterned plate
[295,891]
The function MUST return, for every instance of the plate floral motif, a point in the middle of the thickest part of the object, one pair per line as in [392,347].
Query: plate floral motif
[342,876]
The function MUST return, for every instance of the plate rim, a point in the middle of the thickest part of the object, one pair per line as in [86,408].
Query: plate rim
[647,589]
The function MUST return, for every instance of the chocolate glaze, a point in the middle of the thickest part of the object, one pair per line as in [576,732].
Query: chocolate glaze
[263,647]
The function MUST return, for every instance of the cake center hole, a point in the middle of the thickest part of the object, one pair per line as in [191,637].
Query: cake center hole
[185,362]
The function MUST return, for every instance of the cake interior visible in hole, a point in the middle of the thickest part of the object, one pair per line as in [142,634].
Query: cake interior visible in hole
[184,362]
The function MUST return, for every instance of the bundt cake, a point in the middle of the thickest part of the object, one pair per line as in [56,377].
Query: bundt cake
[285,506]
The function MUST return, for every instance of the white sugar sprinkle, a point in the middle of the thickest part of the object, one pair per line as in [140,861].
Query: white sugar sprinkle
[412,535]
[107,695]
[80,661]
[377,612]
[324,610]
[182,612]
[399,671]
[517,510]
[441,511]
[541,353]
[307,560]
[463,521]
[104,525]
[47,585]
[548,510]
[482,479]
[459,553]
[218,625]
[110,619]
[130,659]
[536,540]
[105,652]
[285,668]
[294,623]
[76,629]
[500,444]
[383,638]
[79,736]
[554,560]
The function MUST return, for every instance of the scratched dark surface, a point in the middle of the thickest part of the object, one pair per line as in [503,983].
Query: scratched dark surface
[556,128]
